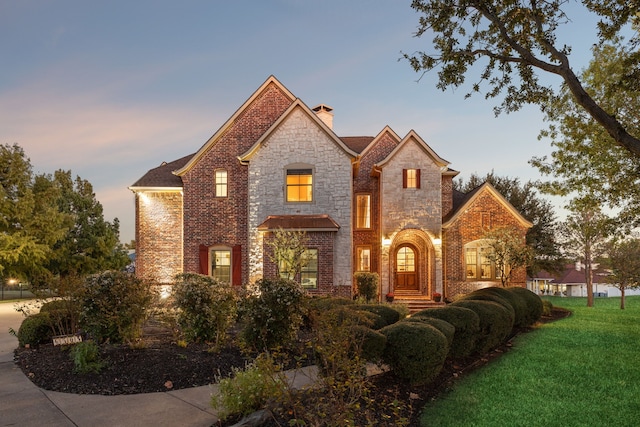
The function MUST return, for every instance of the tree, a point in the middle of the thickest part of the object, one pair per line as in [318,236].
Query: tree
[30,222]
[585,232]
[585,160]
[289,252]
[624,262]
[542,237]
[508,252]
[517,40]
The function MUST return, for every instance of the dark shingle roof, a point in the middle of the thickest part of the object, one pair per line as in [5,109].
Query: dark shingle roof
[163,176]
[356,143]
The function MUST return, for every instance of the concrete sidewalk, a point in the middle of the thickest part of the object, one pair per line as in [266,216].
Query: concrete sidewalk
[24,404]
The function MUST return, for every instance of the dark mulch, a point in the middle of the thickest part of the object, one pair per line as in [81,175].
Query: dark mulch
[161,365]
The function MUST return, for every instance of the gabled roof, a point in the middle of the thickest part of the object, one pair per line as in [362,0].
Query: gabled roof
[297,105]
[214,138]
[357,143]
[472,196]
[299,222]
[413,136]
[162,177]
[572,276]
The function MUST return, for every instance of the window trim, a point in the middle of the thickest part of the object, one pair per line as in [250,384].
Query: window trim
[221,185]
[406,181]
[299,168]
[478,248]
[368,213]
[220,248]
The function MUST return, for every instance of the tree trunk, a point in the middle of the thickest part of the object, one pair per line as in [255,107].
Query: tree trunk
[622,298]
[588,274]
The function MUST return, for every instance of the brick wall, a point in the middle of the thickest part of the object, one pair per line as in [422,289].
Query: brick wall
[158,235]
[223,221]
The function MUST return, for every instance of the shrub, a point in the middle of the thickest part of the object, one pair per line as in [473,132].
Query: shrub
[272,316]
[115,305]
[533,303]
[250,389]
[515,299]
[415,351]
[373,343]
[388,315]
[206,307]
[35,329]
[327,303]
[466,323]
[367,284]
[64,315]
[447,329]
[86,358]
[547,307]
[492,294]
[496,323]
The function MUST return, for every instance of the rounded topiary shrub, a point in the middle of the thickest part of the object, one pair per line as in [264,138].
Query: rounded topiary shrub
[114,306]
[389,315]
[414,351]
[488,294]
[466,323]
[447,329]
[34,330]
[496,323]
[372,343]
[533,303]
[327,303]
[206,307]
[514,299]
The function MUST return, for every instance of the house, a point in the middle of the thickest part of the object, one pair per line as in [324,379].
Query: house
[383,204]
[572,282]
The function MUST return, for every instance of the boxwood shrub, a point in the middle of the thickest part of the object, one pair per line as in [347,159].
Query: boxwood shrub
[496,323]
[415,351]
[466,323]
[487,294]
[389,315]
[35,329]
[515,299]
[533,303]
[447,329]
[373,343]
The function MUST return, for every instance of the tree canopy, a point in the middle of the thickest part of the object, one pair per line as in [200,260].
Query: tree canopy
[513,41]
[624,262]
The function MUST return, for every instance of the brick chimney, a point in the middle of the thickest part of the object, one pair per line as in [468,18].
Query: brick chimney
[324,113]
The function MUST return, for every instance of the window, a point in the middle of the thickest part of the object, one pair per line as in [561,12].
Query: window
[363,211]
[221,183]
[309,273]
[363,261]
[410,178]
[299,185]
[479,265]
[221,265]
[406,260]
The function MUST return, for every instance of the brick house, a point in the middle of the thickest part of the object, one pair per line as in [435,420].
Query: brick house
[384,204]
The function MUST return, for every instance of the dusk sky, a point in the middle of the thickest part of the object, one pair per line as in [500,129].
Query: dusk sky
[112,89]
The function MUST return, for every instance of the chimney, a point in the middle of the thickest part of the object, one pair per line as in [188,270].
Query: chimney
[324,113]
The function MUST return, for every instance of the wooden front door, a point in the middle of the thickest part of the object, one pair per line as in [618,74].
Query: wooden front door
[406,269]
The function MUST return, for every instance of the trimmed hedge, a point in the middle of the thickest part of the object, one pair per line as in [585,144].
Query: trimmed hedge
[487,294]
[516,300]
[373,343]
[466,323]
[35,329]
[389,315]
[327,303]
[533,303]
[496,323]
[447,329]
[415,351]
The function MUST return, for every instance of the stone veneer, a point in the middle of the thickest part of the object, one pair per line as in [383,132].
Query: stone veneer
[301,142]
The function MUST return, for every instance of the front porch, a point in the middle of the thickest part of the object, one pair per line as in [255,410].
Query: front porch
[415,302]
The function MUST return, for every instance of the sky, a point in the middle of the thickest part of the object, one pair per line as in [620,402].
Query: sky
[111,89]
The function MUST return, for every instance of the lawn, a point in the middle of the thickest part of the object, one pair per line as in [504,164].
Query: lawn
[580,371]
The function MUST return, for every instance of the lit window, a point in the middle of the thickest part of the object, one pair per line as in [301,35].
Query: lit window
[221,265]
[479,263]
[406,260]
[363,211]
[299,185]
[221,183]
[363,262]
[309,273]
[410,178]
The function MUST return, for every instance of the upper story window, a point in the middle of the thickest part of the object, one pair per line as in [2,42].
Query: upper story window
[478,263]
[363,211]
[299,185]
[221,183]
[410,178]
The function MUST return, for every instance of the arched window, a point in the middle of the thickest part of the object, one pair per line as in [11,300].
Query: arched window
[406,260]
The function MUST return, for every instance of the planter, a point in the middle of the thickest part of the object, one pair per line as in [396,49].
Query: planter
[437,297]
[389,297]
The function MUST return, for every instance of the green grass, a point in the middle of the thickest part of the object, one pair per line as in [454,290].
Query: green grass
[579,371]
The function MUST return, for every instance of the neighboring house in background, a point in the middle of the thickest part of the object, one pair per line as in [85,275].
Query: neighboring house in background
[572,283]
[382,204]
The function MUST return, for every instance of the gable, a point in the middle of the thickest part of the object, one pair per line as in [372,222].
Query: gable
[413,138]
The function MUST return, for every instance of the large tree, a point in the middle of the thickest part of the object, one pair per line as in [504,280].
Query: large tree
[585,233]
[515,40]
[624,263]
[585,160]
[508,252]
[542,237]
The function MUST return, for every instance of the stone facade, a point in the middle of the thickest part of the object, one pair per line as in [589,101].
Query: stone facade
[415,239]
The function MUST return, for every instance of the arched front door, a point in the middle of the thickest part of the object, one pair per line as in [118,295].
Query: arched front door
[406,269]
